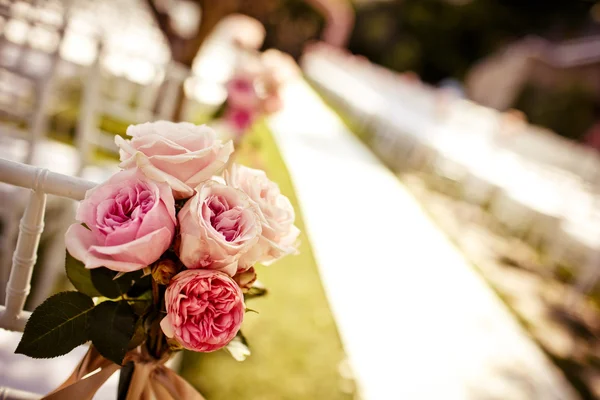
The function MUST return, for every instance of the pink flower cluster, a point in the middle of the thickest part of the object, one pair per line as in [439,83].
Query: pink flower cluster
[255,92]
[222,228]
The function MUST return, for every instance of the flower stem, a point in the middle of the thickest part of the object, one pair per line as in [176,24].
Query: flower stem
[125,376]
[155,293]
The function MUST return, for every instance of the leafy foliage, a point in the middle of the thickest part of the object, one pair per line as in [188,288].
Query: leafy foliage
[57,326]
[80,276]
[405,34]
[255,291]
[141,286]
[112,327]
[111,286]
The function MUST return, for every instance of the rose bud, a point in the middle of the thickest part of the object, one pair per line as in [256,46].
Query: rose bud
[245,279]
[163,271]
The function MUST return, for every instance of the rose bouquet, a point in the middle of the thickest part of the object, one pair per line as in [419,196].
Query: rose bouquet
[162,257]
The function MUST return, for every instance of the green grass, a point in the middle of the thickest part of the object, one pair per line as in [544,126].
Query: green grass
[294,341]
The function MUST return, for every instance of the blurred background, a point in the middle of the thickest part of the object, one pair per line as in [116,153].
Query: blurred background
[486,112]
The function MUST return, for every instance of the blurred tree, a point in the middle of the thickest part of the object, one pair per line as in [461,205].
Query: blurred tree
[438,39]
[185,47]
[443,38]
[302,18]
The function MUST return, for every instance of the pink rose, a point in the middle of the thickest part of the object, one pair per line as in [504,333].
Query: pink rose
[279,235]
[180,154]
[241,92]
[217,227]
[239,118]
[205,310]
[131,221]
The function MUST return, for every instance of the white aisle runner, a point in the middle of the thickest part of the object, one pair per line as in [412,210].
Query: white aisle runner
[416,320]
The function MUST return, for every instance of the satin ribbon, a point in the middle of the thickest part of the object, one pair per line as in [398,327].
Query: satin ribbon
[150,379]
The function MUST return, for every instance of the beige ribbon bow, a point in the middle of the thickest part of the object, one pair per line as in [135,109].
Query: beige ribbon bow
[150,379]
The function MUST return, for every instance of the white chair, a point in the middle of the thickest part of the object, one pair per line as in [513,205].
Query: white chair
[109,90]
[31,35]
[30,38]
[576,242]
[40,375]
[39,183]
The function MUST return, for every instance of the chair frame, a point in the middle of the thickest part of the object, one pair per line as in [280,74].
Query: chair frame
[41,182]
[37,120]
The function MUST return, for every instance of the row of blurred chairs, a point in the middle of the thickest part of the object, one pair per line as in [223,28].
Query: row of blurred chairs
[105,60]
[545,189]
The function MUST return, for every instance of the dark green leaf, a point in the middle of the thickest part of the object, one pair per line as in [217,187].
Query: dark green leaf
[140,286]
[142,304]
[104,280]
[80,276]
[139,334]
[257,290]
[112,328]
[57,326]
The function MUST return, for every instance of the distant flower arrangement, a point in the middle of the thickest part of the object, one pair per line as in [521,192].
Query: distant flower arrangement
[162,257]
[255,89]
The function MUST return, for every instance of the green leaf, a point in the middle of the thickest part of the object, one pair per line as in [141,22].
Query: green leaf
[142,304]
[257,290]
[113,325]
[80,276]
[140,287]
[104,280]
[57,326]
[139,334]
[238,347]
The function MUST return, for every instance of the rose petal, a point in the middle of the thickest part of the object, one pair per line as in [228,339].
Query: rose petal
[141,252]
[79,240]
[180,189]
[167,327]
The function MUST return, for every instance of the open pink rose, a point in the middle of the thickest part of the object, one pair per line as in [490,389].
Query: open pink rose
[218,226]
[279,234]
[205,310]
[180,154]
[131,221]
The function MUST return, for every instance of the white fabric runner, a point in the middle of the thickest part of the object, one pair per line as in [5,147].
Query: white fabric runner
[416,320]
